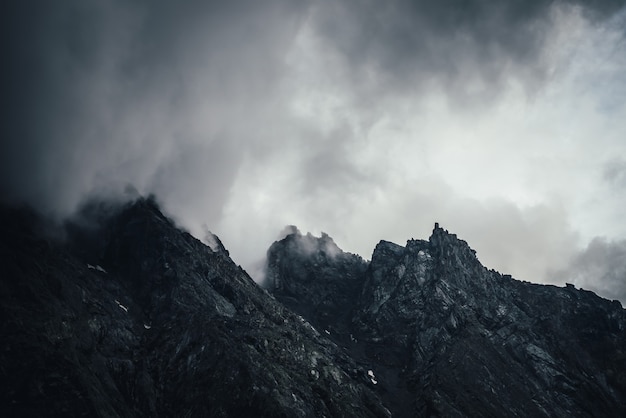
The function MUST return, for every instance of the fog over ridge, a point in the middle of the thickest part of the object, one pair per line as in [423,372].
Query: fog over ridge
[366,120]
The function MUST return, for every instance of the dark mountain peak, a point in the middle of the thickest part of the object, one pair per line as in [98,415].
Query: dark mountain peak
[314,273]
[310,250]
[156,325]
[116,234]
[386,249]
[448,337]
[444,244]
[95,211]
[141,211]
[131,316]
[445,248]
[396,275]
[308,245]
[290,230]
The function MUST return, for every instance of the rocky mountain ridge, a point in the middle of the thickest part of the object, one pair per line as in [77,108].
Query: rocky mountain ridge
[119,313]
[447,337]
[129,316]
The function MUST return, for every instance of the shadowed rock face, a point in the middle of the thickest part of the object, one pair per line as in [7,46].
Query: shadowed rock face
[130,316]
[304,276]
[444,336]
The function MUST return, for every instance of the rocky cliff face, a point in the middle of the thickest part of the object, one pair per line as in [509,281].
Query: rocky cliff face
[444,336]
[129,316]
[304,276]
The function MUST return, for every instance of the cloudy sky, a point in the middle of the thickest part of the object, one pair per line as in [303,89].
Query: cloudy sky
[503,121]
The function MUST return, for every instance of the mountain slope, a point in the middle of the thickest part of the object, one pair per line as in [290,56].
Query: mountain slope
[129,316]
[444,336]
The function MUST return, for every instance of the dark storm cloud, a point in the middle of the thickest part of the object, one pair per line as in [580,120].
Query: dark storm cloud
[114,91]
[248,114]
[103,91]
[403,44]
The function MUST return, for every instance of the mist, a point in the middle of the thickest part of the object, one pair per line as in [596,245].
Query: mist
[369,121]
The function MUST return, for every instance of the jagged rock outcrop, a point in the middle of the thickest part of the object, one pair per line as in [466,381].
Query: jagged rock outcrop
[304,277]
[444,336]
[130,316]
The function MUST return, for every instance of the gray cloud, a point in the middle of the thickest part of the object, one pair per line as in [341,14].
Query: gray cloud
[105,89]
[368,120]
[470,48]
[614,173]
[601,267]
[117,90]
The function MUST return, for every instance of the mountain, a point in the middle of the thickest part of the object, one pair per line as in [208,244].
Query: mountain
[444,336]
[316,278]
[118,313]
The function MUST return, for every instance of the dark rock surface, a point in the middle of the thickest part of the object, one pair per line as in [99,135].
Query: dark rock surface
[444,336]
[119,313]
[129,316]
[304,277]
